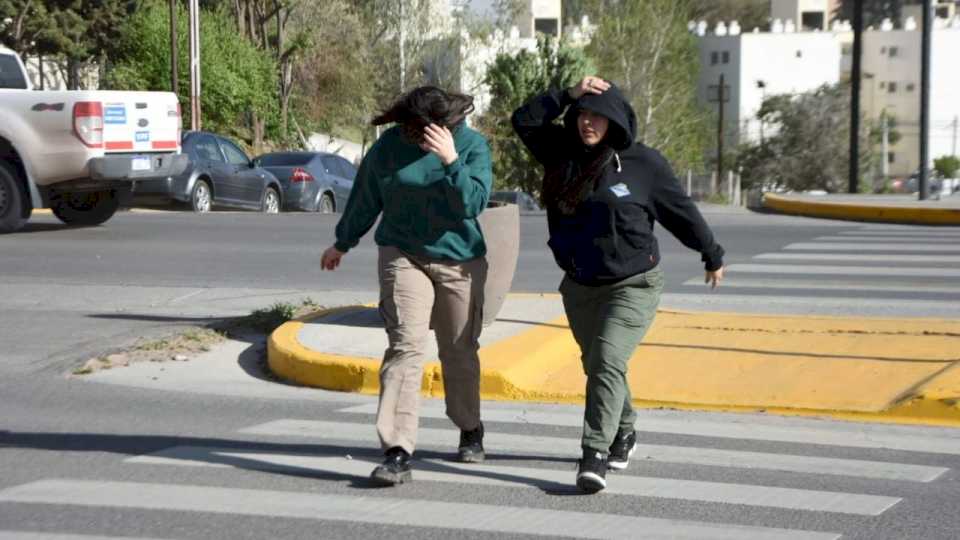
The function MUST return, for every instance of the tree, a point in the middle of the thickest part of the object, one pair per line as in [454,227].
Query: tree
[333,81]
[645,48]
[514,79]
[749,13]
[808,146]
[237,77]
[947,166]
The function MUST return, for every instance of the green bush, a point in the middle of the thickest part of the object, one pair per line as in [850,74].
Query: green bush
[236,77]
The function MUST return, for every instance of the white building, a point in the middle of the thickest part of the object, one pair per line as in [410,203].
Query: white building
[757,64]
[891,85]
[791,60]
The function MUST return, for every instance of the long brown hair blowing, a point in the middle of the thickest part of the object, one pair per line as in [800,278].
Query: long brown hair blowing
[566,184]
[426,105]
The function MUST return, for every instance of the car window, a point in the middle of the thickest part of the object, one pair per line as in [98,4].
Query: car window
[235,156]
[346,169]
[205,148]
[11,76]
[328,167]
[285,160]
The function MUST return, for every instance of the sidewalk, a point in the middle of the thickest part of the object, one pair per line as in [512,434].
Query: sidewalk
[904,209]
[863,369]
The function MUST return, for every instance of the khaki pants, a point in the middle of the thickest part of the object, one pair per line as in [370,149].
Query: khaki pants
[411,289]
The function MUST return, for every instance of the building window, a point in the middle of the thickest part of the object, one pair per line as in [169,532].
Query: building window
[883,50]
[911,87]
[893,51]
[883,85]
[725,57]
[892,87]
[546,26]
[891,157]
[799,54]
[714,58]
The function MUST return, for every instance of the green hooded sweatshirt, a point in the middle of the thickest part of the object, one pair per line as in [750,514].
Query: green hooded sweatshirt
[429,209]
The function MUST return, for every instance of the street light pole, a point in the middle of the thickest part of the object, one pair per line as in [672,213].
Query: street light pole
[174,53]
[854,173]
[195,123]
[925,97]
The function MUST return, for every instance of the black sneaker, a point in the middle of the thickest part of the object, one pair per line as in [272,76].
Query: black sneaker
[592,471]
[471,446]
[621,450]
[395,468]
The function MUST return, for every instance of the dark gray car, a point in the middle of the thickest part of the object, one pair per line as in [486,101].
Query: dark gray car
[219,174]
[311,181]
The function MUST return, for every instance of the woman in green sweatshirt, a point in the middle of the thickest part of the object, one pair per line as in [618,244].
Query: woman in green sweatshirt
[428,178]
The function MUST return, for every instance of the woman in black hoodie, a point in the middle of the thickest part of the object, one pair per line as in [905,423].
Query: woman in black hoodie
[603,191]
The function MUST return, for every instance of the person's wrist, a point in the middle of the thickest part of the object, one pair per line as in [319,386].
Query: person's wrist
[451,159]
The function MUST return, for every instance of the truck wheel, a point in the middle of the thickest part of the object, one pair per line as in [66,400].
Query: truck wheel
[201,199]
[13,201]
[86,208]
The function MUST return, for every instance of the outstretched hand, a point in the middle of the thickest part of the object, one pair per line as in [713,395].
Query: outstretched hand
[589,85]
[330,259]
[714,278]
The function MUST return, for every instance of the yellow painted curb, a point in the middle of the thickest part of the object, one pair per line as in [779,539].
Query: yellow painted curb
[878,370]
[863,212]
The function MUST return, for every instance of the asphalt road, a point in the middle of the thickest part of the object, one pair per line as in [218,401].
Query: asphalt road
[219,452]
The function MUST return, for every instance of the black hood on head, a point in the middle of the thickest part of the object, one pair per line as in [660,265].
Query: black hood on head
[623,121]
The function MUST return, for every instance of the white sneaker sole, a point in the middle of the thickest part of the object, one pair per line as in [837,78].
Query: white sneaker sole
[590,482]
[621,465]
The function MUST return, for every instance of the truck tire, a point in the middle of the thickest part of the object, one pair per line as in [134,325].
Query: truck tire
[14,209]
[86,208]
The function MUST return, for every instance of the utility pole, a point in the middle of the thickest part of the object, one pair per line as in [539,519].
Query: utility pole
[722,97]
[195,123]
[854,173]
[174,53]
[925,98]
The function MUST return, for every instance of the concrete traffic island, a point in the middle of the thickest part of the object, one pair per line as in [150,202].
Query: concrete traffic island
[905,209]
[865,369]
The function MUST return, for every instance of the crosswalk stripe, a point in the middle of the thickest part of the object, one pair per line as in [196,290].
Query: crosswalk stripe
[761,283]
[853,257]
[26,535]
[508,476]
[381,510]
[843,270]
[850,435]
[912,228]
[943,233]
[505,444]
[894,239]
[901,247]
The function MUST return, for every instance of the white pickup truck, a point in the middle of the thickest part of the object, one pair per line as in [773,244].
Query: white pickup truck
[79,153]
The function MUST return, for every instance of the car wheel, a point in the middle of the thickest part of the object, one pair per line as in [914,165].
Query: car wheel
[325,205]
[85,208]
[13,208]
[271,201]
[201,198]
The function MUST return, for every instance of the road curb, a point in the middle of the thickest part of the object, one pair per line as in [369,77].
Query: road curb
[542,364]
[862,212]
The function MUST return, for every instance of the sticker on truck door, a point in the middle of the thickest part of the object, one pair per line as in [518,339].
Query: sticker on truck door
[142,136]
[115,113]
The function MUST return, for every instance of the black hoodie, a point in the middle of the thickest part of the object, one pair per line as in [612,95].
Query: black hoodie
[609,237]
